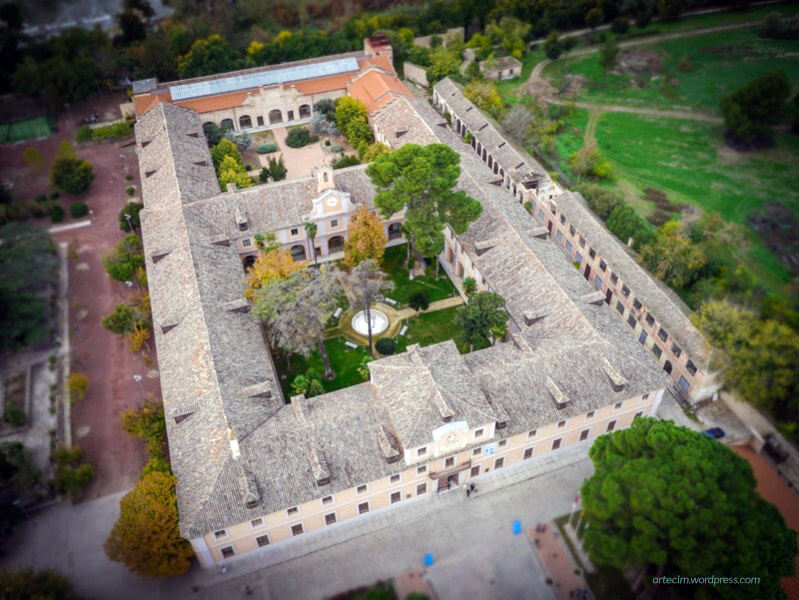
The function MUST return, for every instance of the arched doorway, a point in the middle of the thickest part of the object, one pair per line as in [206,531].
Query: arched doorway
[298,253]
[335,244]
[394,231]
[305,111]
[227,124]
[245,122]
[667,367]
[275,116]
[247,262]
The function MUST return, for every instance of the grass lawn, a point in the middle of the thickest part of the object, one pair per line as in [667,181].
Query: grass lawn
[721,63]
[433,327]
[689,161]
[345,362]
[29,129]
[571,138]
[395,267]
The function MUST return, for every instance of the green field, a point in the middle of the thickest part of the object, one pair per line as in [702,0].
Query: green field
[717,64]
[29,129]
[688,161]
[395,267]
[571,138]
[432,328]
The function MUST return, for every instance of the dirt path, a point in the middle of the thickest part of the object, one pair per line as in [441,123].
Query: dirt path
[590,128]
[598,109]
[407,313]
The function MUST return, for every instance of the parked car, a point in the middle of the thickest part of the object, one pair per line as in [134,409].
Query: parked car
[774,449]
[714,432]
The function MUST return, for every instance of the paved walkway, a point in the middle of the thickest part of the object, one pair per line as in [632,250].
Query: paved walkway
[407,313]
[299,161]
[566,584]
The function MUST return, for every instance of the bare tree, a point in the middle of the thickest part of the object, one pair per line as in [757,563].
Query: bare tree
[367,283]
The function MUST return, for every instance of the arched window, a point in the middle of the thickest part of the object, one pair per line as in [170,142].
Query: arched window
[305,111]
[247,262]
[667,367]
[298,253]
[245,122]
[335,244]
[227,124]
[275,116]
[394,231]
[207,126]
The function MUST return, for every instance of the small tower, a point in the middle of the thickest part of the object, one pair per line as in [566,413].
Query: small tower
[324,178]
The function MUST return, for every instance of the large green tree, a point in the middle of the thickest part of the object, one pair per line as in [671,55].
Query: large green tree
[750,112]
[29,267]
[125,259]
[27,584]
[208,56]
[421,180]
[146,537]
[672,256]
[484,317]
[670,501]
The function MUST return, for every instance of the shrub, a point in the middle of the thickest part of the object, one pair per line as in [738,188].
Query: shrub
[277,170]
[335,148]
[38,210]
[115,131]
[469,286]
[600,199]
[328,142]
[263,176]
[346,161]
[659,217]
[129,177]
[72,175]
[248,167]
[129,217]
[77,385]
[298,137]
[266,148]
[147,423]
[125,259]
[589,162]
[130,190]
[84,134]
[79,209]
[324,106]
[386,346]
[625,223]
[56,213]
[14,415]
[419,300]
[71,474]
[528,206]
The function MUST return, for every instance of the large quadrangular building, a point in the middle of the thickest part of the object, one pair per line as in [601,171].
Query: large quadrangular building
[254,470]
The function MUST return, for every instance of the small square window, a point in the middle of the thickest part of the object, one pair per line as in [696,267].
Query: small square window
[656,350]
[475,471]
[625,291]
[421,451]
[684,385]
[293,510]
[477,451]
[262,540]
[617,406]
[532,433]
[421,470]
[650,320]
[592,253]
[584,434]
[631,321]
[246,243]
[611,426]
[330,518]
[559,235]
[663,334]
[220,534]
[227,552]
[691,367]
[556,444]
[676,350]
[294,231]
[242,226]
[571,230]
[637,304]
[421,489]
[449,462]
[297,529]
[396,497]
[642,338]
[394,478]
[552,207]
[589,414]
[256,522]
[503,443]
[334,223]
[499,463]
[327,499]
[620,307]
[528,453]
[361,489]
[562,220]
[603,265]
[614,278]
[645,397]
[582,242]
[561,424]
[478,433]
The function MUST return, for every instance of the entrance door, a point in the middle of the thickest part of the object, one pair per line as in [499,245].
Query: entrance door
[587,272]
[442,484]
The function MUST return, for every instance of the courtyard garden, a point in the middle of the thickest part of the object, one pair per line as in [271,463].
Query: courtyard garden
[395,266]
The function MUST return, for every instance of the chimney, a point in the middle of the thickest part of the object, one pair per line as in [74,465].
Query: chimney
[558,396]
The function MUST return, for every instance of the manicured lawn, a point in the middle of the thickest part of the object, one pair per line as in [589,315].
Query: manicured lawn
[720,63]
[345,362]
[395,266]
[689,161]
[433,327]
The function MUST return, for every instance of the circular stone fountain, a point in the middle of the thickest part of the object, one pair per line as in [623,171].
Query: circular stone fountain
[378,318]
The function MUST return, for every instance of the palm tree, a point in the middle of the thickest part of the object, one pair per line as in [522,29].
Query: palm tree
[310,231]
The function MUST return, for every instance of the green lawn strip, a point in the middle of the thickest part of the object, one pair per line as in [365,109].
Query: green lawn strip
[394,265]
[571,138]
[344,361]
[688,161]
[721,63]
[434,327]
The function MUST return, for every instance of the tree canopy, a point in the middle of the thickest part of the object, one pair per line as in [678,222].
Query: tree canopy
[27,584]
[672,257]
[421,180]
[29,264]
[485,96]
[750,112]
[145,537]
[484,317]
[366,238]
[667,497]
[274,264]
[125,259]
[208,56]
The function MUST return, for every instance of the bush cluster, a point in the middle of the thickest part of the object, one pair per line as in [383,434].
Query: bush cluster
[266,148]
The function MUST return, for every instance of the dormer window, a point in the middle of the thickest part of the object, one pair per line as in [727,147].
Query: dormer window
[243,226]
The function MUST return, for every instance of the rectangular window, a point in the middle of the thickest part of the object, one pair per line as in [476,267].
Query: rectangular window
[421,470]
[363,507]
[676,350]
[603,265]
[584,434]
[578,258]
[592,253]
[503,443]
[532,433]
[262,540]
[562,220]
[330,518]
[656,350]
[684,385]
[642,338]
[638,414]
[582,242]
[449,462]
[556,444]
[691,367]
[620,307]
[561,424]
[644,397]
[618,405]
[394,478]
[614,278]
[636,304]
[294,231]
[625,291]
[571,230]
[528,453]
[478,434]
[246,243]
[396,497]
[293,510]
[334,223]
[421,451]
[559,235]
[421,489]
[256,522]
[650,320]
[327,499]
[498,464]
[475,471]
[611,426]
[227,552]
[220,534]
[476,451]
[361,489]
[260,121]
[663,334]
[589,414]
[297,529]
[631,321]
[552,207]
[568,247]
[597,282]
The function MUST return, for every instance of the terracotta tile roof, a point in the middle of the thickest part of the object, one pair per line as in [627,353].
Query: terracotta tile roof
[321,84]
[377,61]
[217,102]
[376,89]
[144,102]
